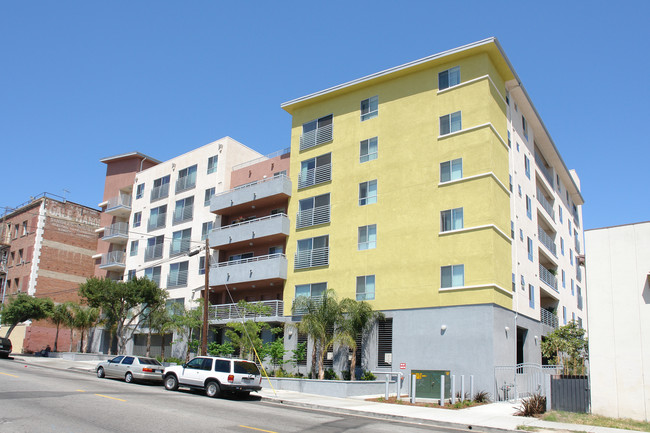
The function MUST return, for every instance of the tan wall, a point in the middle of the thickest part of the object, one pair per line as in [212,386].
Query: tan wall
[259,170]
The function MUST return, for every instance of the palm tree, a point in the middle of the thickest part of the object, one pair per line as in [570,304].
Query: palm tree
[84,319]
[61,315]
[358,320]
[321,321]
[159,322]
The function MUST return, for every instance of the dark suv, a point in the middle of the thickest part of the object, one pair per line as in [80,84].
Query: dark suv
[5,347]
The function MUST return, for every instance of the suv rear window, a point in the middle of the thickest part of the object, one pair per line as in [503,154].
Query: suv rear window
[222,365]
[149,361]
[246,368]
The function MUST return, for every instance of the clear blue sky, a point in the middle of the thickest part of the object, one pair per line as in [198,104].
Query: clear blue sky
[83,80]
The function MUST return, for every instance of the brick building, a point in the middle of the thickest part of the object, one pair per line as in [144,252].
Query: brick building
[46,249]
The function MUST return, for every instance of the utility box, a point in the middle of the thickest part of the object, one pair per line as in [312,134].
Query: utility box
[427,383]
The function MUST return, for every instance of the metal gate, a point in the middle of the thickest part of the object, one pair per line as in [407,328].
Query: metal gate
[512,382]
[570,393]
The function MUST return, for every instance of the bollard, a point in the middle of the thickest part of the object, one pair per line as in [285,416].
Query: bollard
[462,388]
[471,386]
[453,389]
[442,390]
[413,383]
[398,386]
[387,383]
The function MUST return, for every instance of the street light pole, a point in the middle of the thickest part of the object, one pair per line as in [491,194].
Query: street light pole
[204,343]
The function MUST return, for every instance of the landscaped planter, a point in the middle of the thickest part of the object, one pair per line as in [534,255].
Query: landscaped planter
[332,388]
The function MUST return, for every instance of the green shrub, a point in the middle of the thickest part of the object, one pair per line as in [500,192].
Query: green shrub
[531,406]
[171,360]
[330,374]
[482,397]
[345,375]
[368,376]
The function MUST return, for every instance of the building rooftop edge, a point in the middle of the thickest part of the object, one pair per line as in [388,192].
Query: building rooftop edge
[129,154]
[618,225]
[38,199]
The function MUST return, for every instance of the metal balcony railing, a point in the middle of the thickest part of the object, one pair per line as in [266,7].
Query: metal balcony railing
[113,258]
[159,192]
[317,136]
[548,207]
[577,242]
[157,222]
[549,318]
[547,240]
[579,301]
[253,221]
[177,279]
[548,278]
[179,247]
[273,308]
[184,183]
[317,300]
[545,170]
[183,214]
[275,154]
[313,216]
[153,252]
[312,258]
[315,176]
[579,273]
[251,259]
[116,229]
[122,200]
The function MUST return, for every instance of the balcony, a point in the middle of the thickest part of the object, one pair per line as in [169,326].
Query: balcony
[317,136]
[577,245]
[548,207]
[546,171]
[153,252]
[314,176]
[113,261]
[228,312]
[547,241]
[270,267]
[263,229]
[159,192]
[549,318]
[183,214]
[313,216]
[548,278]
[156,222]
[117,233]
[312,258]
[262,192]
[119,206]
[177,279]
[184,183]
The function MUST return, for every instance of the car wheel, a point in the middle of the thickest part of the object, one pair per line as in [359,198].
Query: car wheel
[100,372]
[128,378]
[171,383]
[212,389]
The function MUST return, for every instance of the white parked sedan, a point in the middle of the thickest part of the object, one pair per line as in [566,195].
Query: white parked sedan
[131,368]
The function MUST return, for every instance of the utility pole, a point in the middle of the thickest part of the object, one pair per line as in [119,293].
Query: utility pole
[204,342]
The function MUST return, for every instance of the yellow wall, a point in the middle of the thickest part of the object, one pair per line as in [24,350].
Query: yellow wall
[410,249]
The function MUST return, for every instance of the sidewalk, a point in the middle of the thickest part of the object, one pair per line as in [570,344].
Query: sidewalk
[494,417]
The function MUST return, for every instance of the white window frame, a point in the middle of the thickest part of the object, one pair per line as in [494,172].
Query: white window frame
[449,218]
[368,198]
[447,169]
[139,191]
[452,275]
[447,122]
[372,109]
[366,282]
[209,193]
[213,161]
[449,74]
[368,156]
[364,241]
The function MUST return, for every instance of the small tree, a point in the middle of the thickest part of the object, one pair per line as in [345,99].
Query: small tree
[216,349]
[185,322]
[246,335]
[299,354]
[358,320]
[61,315]
[159,322]
[567,345]
[276,352]
[84,319]
[25,307]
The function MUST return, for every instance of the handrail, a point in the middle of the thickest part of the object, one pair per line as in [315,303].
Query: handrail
[249,260]
[285,151]
[277,215]
[248,185]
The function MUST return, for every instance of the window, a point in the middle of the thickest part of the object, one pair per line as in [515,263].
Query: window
[312,252]
[521,235]
[209,193]
[569,222]
[524,126]
[157,217]
[560,210]
[385,343]
[16,231]
[367,239]
[311,290]
[139,191]
[529,208]
[510,182]
[571,256]
[527,166]
[450,123]
[240,257]
[177,275]
[21,258]
[572,288]
[564,315]
[202,265]
[130,275]
[451,170]
[451,219]
[316,170]
[313,211]
[160,188]
[368,150]
[452,276]
[573,317]
[180,242]
[206,228]
[154,248]
[523,283]
[366,288]
[212,164]
[563,279]
[531,296]
[25,232]
[186,179]
[580,322]
[509,140]
[579,290]
[369,108]
[153,274]
[316,132]
[184,210]
[137,219]
[512,229]
[133,251]
[562,246]
[519,190]
[276,250]
[514,284]
[449,78]
[367,192]
[12,257]
[530,249]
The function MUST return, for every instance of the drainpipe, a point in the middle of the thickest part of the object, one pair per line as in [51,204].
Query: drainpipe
[142,162]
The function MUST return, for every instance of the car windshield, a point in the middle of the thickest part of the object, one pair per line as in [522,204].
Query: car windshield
[243,367]
[149,361]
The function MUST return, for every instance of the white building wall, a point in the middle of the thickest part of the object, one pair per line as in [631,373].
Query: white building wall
[618,270]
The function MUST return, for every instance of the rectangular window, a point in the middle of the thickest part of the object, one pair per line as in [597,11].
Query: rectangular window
[209,193]
[276,250]
[367,192]
[451,170]
[366,288]
[385,343]
[206,228]
[449,78]
[130,275]
[512,229]
[571,256]
[572,288]
[137,219]
[509,140]
[521,235]
[367,239]
[160,188]
[202,265]
[452,276]
[450,123]
[560,211]
[212,164]
[139,191]
[177,275]
[21,258]
[563,279]
[524,126]
[154,248]
[314,290]
[569,222]
[523,283]
[312,252]
[369,108]
[451,219]
[241,258]
[564,315]
[184,210]
[514,284]
[530,249]
[186,179]
[368,150]
[313,211]
[531,296]
[180,242]
[157,217]
[529,208]
[510,182]
[153,274]
[133,251]
[527,166]
[562,246]
[25,232]
[579,290]
[519,190]
[316,132]
[315,170]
